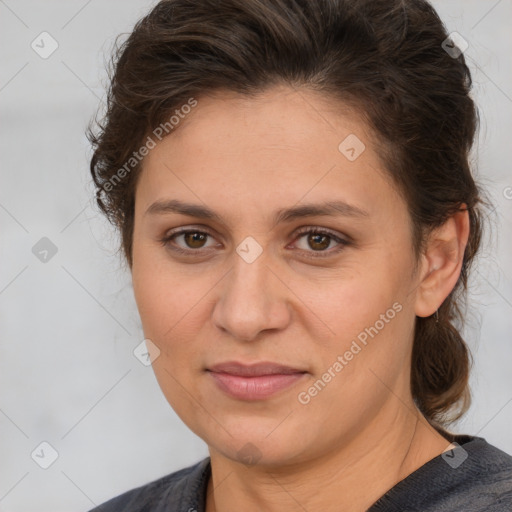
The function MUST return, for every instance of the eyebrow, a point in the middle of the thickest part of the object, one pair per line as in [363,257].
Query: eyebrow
[327,208]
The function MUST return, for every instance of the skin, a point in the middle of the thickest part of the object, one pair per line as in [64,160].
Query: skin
[245,158]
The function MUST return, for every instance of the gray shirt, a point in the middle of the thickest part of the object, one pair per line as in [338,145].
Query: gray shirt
[473,477]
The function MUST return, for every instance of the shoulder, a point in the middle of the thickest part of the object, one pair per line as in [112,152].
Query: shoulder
[489,476]
[475,477]
[485,460]
[483,479]
[183,488]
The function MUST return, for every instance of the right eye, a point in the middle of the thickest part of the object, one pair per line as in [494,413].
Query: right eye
[193,240]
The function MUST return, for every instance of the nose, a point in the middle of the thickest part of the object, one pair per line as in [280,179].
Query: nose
[251,299]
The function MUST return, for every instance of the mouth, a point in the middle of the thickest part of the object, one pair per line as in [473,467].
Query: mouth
[255,381]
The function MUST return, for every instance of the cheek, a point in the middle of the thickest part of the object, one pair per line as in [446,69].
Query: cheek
[359,365]
[173,306]
[350,303]
[162,293]
[367,321]
[170,320]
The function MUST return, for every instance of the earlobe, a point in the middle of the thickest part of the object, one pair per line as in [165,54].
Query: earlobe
[442,262]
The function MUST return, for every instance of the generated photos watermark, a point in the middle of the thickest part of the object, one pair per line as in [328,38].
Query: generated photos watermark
[158,133]
[304,397]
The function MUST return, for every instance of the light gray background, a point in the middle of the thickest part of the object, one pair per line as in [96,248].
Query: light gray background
[68,327]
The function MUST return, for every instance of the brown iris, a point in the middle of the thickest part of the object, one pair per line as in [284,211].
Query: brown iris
[318,240]
[194,239]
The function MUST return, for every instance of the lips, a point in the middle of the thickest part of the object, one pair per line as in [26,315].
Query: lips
[256,381]
[254,370]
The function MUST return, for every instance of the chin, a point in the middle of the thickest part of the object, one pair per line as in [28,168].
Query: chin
[252,442]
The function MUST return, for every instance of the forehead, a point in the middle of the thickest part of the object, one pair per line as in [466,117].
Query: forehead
[256,122]
[278,148]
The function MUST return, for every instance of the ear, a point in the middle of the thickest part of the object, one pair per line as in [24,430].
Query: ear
[442,262]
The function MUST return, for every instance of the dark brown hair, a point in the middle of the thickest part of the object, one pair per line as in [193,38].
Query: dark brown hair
[385,57]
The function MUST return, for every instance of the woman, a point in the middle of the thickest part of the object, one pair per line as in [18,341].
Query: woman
[290,179]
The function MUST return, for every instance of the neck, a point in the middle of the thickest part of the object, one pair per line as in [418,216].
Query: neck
[349,477]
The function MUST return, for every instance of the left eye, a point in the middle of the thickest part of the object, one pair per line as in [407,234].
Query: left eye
[319,240]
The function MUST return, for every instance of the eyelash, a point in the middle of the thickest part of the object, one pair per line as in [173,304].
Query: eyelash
[166,241]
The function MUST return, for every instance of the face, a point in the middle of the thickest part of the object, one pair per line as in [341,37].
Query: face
[258,277]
